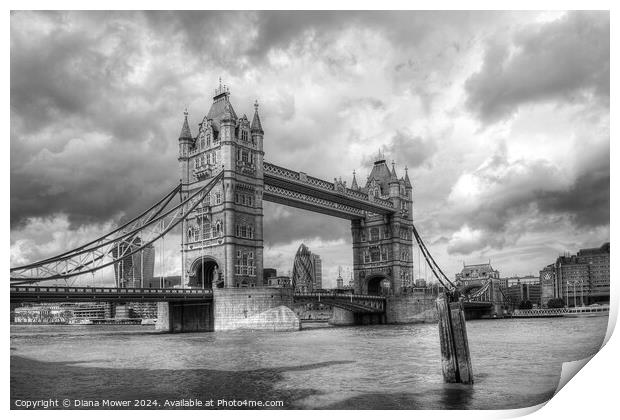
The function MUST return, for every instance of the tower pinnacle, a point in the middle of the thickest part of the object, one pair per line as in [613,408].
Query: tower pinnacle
[393,176]
[186,133]
[407,181]
[256,125]
[354,185]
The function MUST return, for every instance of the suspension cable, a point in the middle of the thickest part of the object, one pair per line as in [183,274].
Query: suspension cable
[77,250]
[430,260]
[125,236]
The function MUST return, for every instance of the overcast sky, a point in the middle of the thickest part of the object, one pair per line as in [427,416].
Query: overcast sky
[502,119]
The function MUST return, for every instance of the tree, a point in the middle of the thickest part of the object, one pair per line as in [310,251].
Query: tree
[525,304]
[555,303]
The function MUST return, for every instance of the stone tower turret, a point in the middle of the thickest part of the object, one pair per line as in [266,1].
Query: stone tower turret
[186,142]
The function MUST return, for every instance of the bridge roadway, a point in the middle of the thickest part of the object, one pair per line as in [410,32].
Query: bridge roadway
[361,304]
[353,303]
[105,294]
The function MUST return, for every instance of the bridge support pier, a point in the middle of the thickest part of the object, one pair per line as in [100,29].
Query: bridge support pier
[342,317]
[176,317]
[455,358]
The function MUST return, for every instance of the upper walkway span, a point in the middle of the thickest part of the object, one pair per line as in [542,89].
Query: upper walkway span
[297,189]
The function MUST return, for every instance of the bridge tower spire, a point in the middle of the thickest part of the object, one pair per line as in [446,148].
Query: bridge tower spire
[186,142]
[354,185]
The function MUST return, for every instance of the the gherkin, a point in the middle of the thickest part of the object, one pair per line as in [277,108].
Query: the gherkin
[304,276]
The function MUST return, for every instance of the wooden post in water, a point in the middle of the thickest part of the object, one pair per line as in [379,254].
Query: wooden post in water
[455,359]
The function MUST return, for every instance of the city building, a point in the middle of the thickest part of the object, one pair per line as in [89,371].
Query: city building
[580,279]
[279,281]
[307,270]
[522,289]
[339,280]
[88,311]
[267,273]
[134,270]
[317,267]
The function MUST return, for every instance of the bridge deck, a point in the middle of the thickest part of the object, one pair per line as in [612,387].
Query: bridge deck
[354,303]
[112,294]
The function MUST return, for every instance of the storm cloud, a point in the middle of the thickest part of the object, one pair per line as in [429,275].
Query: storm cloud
[565,60]
[97,101]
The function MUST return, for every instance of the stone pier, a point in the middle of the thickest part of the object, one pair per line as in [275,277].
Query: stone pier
[255,308]
[411,309]
[176,317]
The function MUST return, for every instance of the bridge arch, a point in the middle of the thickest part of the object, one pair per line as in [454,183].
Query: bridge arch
[377,284]
[470,288]
[205,272]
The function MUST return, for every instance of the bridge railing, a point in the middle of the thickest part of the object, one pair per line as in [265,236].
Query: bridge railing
[540,312]
[108,290]
[338,295]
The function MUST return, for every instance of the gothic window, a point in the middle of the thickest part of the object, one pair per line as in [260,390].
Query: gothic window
[218,198]
[384,253]
[238,265]
[190,234]
[375,254]
[244,135]
[245,263]
[208,139]
[374,234]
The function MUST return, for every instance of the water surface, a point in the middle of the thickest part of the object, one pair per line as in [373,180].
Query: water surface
[516,363]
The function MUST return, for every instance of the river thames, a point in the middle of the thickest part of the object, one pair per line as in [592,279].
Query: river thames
[516,362]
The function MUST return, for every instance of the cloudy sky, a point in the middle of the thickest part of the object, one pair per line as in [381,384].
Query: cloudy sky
[502,119]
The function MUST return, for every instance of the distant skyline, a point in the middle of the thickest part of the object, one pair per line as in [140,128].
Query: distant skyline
[501,117]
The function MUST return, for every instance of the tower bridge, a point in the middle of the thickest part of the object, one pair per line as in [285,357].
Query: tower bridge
[224,181]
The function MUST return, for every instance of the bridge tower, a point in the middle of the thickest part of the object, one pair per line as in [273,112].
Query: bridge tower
[383,244]
[222,243]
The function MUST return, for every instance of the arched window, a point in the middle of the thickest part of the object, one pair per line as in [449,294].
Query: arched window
[190,234]
[375,254]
